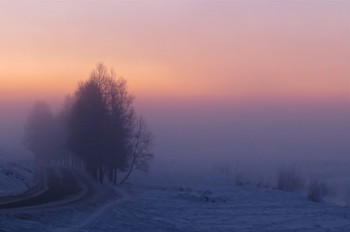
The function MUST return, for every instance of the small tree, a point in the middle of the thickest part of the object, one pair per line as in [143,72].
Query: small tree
[140,146]
[316,191]
[289,180]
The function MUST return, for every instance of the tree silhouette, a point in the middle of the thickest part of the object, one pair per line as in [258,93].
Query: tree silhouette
[140,154]
[97,126]
[87,125]
[101,125]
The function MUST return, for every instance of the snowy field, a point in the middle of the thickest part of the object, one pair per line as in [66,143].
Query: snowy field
[16,175]
[184,202]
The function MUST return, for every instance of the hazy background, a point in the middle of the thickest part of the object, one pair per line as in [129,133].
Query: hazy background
[251,80]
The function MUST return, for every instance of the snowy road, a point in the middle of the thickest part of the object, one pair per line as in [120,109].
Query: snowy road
[60,188]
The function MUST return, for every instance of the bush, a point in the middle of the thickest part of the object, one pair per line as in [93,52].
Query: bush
[262,184]
[240,181]
[316,191]
[289,180]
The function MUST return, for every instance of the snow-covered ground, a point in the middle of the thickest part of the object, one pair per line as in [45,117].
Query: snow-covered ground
[16,175]
[216,204]
[184,202]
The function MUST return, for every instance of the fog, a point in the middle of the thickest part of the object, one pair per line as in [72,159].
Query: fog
[224,129]
[251,140]
[250,130]
[13,115]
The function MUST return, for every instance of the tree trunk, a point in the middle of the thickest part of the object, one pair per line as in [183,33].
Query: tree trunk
[100,174]
[126,177]
[110,174]
[114,176]
[129,171]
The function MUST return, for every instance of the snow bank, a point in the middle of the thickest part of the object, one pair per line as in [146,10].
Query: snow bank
[16,175]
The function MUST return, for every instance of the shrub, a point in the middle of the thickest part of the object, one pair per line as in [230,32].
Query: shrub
[316,191]
[289,180]
[240,181]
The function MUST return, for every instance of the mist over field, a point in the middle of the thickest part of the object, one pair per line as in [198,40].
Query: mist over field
[206,132]
[226,129]
[251,139]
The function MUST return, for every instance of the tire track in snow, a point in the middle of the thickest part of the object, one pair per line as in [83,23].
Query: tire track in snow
[97,213]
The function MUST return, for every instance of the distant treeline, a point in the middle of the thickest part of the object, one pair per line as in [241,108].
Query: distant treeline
[97,128]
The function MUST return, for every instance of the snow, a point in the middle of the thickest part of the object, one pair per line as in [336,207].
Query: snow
[164,207]
[184,202]
[16,175]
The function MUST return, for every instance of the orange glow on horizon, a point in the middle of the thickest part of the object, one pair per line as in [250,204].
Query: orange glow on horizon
[270,50]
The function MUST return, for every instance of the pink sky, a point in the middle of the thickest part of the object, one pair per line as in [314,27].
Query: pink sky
[235,49]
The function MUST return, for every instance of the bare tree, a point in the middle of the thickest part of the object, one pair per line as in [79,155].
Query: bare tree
[316,190]
[87,125]
[103,127]
[121,118]
[141,153]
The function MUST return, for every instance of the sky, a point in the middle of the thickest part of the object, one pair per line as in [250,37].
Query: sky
[213,79]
